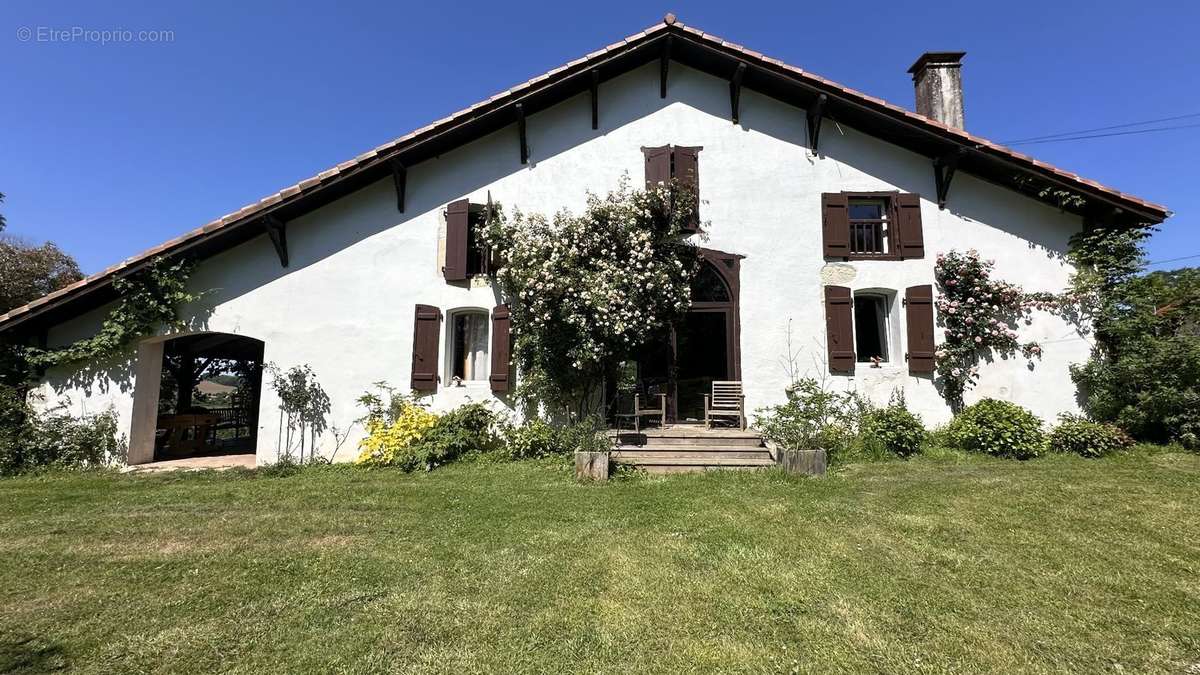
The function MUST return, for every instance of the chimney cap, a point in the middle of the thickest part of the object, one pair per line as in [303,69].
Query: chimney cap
[946,59]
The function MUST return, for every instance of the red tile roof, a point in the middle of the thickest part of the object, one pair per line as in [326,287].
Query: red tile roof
[373,158]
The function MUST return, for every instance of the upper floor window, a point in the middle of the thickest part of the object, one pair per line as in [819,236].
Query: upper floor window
[872,225]
[465,256]
[871,228]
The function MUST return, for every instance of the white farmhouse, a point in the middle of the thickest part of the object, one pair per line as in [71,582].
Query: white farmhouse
[824,209]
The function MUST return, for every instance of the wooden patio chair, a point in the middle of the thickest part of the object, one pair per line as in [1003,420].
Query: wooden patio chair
[639,412]
[726,400]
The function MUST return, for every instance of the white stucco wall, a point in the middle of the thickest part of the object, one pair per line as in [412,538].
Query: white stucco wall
[358,267]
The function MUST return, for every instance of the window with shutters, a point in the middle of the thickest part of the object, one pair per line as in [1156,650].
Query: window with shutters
[477,256]
[465,255]
[872,226]
[468,345]
[678,162]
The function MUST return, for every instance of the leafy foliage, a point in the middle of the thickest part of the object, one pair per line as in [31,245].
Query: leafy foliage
[31,440]
[1144,374]
[897,429]
[28,272]
[304,405]
[392,435]
[979,314]
[1083,437]
[813,417]
[534,439]
[468,429]
[586,290]
[997,428]
[148,301]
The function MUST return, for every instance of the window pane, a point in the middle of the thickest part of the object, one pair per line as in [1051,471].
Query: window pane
[470,346]
[870,328]
[708,286]
[866,209]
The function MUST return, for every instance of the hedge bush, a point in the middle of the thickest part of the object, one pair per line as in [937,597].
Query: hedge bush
[898,430]
[997,428]
[537,438]
[30,440]
[1081,436]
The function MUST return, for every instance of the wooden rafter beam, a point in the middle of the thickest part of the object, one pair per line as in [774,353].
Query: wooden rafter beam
[664,60]
[815,113]
[944,167]
[520,108]
[400,179]
[277,231]
[735,91]
[595,99]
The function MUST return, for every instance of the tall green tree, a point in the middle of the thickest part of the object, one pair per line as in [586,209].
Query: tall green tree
[27,272]
[1145,373]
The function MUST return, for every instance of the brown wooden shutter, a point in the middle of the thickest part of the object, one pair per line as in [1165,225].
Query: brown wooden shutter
[835,224]
[839,328]
[687,172]
[426,338]
[501,324]
[658,166]
[918,303]
[908,225]
[457,239]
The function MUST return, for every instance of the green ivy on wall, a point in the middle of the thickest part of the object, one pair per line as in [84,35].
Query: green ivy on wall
[148,300]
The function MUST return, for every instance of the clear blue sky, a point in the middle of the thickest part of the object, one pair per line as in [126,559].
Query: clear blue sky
[108,149]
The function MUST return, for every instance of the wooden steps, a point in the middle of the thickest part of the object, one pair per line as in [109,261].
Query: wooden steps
[686,449]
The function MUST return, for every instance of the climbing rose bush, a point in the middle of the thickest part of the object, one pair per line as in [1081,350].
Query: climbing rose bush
[585,290]
[979,314]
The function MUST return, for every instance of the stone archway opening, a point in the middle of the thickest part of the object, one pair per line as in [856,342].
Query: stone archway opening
[197,395]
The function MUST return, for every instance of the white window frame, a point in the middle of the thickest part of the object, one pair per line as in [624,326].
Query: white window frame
[892,347]
[482,375]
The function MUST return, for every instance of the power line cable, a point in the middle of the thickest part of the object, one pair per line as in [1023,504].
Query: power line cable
[1108,128]
[1169,260]
[1115,133]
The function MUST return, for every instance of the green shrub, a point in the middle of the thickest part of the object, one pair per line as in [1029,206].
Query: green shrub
[536,438]
[468,429]
[813,417]
[586,435]
[1081,436]
[997,428]
[533,439]
[899,431]
[31,440]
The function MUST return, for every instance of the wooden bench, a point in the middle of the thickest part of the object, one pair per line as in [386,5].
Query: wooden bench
[726,400]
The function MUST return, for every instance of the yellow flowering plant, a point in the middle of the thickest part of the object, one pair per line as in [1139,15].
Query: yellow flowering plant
[393,428]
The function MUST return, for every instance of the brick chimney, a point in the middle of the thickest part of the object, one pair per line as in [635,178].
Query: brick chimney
[937,77]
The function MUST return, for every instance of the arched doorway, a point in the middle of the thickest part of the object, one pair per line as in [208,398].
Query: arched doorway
[702,347]
[208,396]
[706,340]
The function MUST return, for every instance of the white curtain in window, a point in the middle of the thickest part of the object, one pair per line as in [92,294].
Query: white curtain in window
[474,345]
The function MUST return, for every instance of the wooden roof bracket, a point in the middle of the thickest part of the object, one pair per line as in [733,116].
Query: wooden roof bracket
[400,178]
[595,98]
[944,167]
[663,60]
[815,113]
[277,231]
[520,108]
[735,91]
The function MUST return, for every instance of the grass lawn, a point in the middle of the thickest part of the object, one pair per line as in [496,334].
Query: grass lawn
[931,565]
